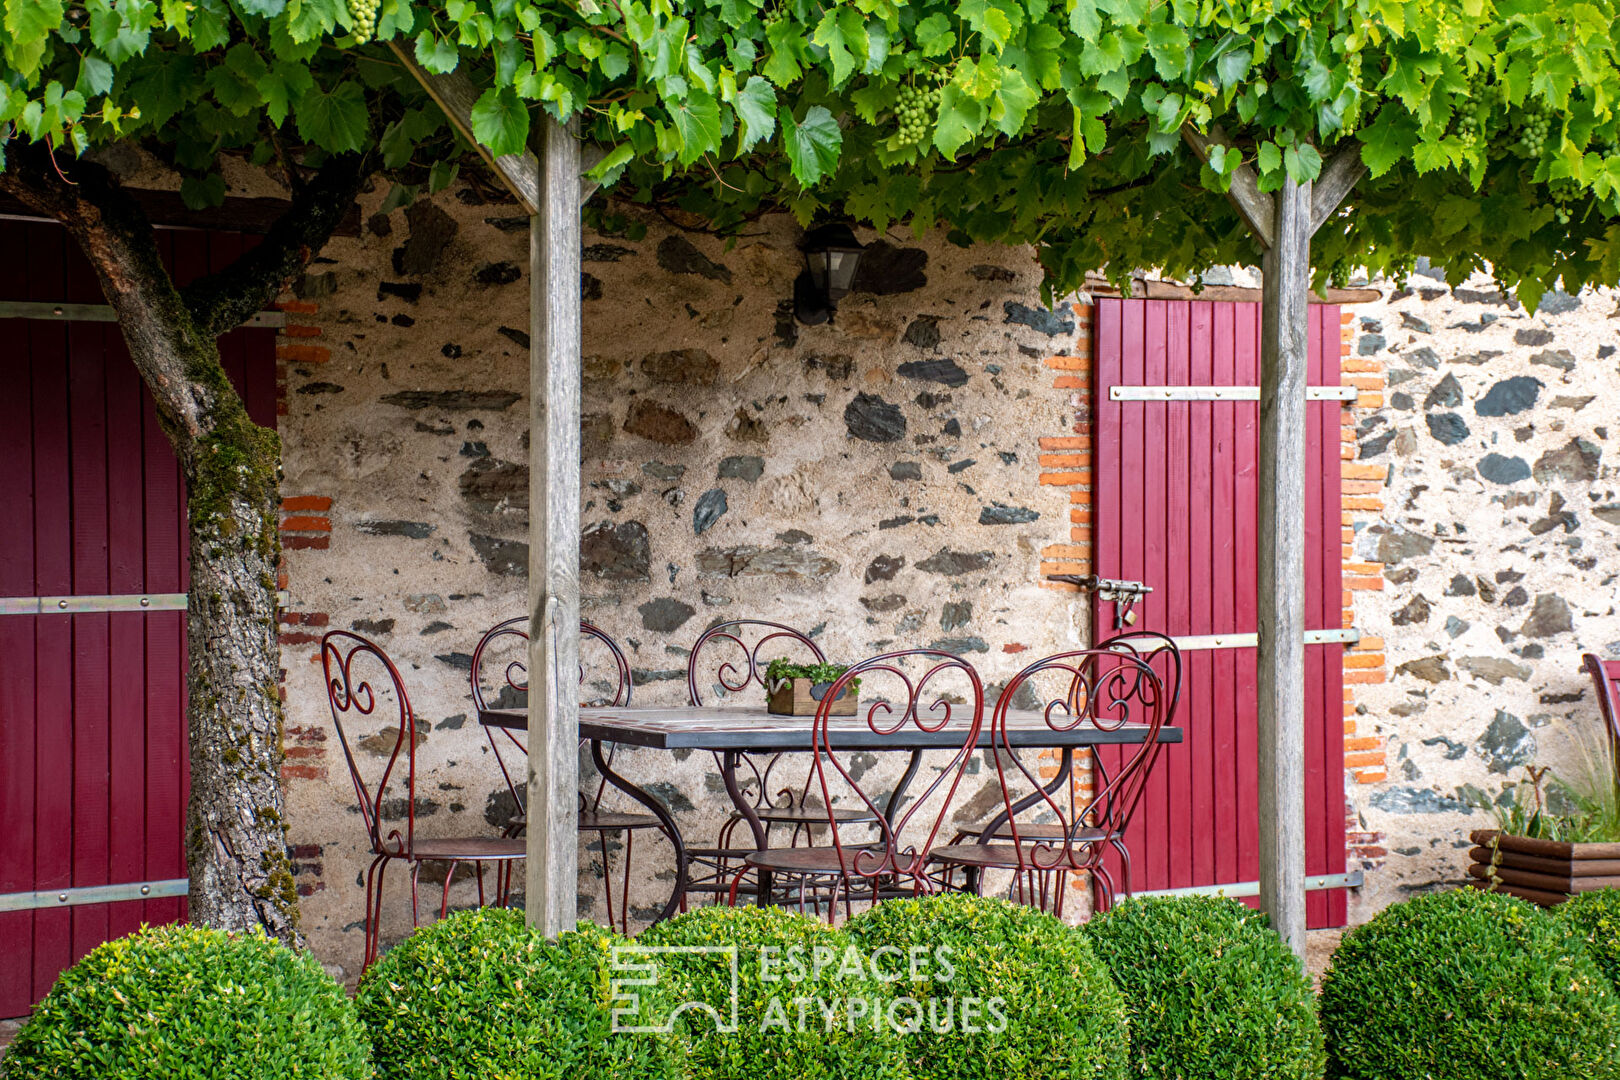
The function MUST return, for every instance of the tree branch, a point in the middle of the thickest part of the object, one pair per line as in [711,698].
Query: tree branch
[1257,209]
[222,301]
[1342,173]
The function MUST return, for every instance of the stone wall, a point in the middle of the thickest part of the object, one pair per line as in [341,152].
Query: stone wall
[900,478]
[1485,558]
[903,477]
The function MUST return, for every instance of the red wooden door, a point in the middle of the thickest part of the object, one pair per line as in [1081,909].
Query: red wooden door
[1176,506]
[93,754]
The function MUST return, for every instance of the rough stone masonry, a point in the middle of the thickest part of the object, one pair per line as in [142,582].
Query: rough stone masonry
[901,477]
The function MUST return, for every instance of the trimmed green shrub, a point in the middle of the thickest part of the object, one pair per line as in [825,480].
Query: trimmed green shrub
[482,996]
[1594,917]
[1036,1000]
[1468,984]
[808,1007]
[184,1001]
[1212,991]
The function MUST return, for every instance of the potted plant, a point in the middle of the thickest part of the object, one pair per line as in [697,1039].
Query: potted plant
[797,689]
[1548,846]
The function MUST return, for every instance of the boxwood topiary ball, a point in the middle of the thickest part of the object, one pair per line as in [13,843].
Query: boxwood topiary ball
[1594,917]
[481,996]
[1025,997]
[1211,989]
[1468,984]
[187,1001]
[808,1007]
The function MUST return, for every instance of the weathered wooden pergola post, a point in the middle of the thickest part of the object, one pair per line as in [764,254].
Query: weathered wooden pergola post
[1283,225]
[551,188]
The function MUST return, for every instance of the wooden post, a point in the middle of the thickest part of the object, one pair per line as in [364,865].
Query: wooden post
[1284,359]
[552,887]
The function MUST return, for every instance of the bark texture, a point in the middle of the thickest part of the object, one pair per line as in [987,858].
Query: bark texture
[236,849]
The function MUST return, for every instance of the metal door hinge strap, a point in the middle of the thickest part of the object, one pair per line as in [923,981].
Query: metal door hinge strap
[18,309]
[87,605]
[93,894]
[1314,883]
[1249,641]
[1221,393]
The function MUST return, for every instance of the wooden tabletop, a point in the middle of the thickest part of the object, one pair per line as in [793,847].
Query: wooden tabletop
[750,727]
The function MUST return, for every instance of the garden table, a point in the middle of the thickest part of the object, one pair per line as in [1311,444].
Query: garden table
[734,731]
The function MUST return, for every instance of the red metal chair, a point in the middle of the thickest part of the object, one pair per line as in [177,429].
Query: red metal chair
[741,669]
[359,681]
[948,690]
[1108,687]
[514,679]
[1606,679]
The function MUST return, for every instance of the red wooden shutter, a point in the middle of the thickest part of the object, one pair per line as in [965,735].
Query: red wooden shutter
[93,748]
[1176,508]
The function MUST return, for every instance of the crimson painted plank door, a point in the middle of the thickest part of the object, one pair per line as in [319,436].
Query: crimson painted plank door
[93,749]
[1176,507]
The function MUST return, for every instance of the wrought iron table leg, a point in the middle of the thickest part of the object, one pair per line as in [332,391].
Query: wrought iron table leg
[729,760]
[1065,767]
[897,797]
[665,820]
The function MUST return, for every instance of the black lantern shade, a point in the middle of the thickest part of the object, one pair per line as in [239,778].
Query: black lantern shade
[831,257]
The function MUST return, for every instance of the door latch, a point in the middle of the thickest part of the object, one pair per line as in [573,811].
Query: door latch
[1123,594]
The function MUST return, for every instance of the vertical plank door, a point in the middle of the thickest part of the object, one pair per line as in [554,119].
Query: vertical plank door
[93,749]
[1176,508]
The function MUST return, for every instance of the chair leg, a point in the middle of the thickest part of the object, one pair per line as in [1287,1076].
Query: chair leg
[416,873]
[444,899]
[607,874]
[736,881]
[373,912]
[478,866]
[1104,883]
[624,896]
[1125,864]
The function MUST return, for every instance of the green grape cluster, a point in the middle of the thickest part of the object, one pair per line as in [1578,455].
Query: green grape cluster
[364,14]
[773,14]
[916,108]
[1473,114]
[1534,128]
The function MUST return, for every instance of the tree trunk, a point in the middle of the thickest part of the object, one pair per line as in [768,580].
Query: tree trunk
[241,876]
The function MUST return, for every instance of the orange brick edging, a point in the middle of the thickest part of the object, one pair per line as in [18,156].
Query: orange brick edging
[1365,663]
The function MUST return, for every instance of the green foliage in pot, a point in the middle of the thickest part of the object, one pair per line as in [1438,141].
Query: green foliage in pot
[482,996]
[1468,984]
[1212,991]
[820,674]
[1595,918]
[1024,995]
[807,1006]
[184,1001]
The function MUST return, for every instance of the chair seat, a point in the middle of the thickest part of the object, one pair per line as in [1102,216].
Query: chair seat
[1001,856]
[468,848]
[811,815]
[816,860]
[597,822]
[1049,831]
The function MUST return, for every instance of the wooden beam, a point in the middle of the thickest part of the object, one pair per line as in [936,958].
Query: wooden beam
[167,210]
[456,95]
[520,173]
[552,886]
[1343,171]
[1146,288]
[1253,205]
[1284,360]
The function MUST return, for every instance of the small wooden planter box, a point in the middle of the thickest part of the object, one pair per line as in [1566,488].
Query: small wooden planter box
[798,697]
[1546,872]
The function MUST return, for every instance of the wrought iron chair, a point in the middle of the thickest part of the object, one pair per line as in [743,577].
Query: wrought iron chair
[948,694]
[742,667]
[359,680]
[514,680]
[1107,686]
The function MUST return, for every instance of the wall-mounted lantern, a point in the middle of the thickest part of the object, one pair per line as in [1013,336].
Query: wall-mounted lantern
[831,256]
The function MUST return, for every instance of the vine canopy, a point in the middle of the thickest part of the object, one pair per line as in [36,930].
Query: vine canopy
[1488,129]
